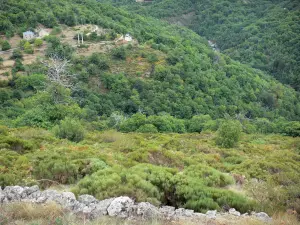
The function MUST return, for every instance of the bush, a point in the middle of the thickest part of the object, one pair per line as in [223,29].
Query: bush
[119,53]
[229,133]
[133,123]
[38,42]
[147,128]
[17,54]
[28,48]
[70,129]
[5,46]
[197,123]
[292,129]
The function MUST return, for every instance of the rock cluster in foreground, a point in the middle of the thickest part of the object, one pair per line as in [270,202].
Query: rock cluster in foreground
[123,207]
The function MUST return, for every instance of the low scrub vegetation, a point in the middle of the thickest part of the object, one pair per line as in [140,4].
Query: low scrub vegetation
[183,170]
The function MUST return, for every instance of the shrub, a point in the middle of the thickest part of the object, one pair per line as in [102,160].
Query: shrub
[133,123]
[147,128]
[17,54]
[38,42]
[229,133]
[70,129]
[292,129]
[197,123]
[119,53]
[28,48]
[5,46]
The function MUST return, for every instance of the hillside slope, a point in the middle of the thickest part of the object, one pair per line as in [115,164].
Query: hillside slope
[193,80]
[263,34]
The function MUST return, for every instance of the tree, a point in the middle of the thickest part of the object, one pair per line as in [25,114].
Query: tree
[229,133]
[58,71]
[5,46]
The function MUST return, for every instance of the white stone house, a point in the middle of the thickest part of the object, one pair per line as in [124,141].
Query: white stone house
[28,35]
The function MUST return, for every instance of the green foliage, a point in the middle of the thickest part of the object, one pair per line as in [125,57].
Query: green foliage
[229,133]
[17,54]
[5,46]
[263,34]
[33,82]
[292,129]
[28,48]
[38,42]
[70,129]
[147,128]
[119,53]
[160,185]
[199,123]
[18,66]
[56,31]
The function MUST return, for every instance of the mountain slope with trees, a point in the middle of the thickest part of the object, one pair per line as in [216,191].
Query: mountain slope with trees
[263,34]
[195,79]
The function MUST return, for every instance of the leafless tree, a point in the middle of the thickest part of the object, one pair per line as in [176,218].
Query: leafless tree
[59,71]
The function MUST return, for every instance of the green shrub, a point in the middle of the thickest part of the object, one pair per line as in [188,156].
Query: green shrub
[133,123]
[197,123]
[70,129]
[38,42]
[147,128]
[5,46]
[292,129]
[28,48]
[119,53]
[17,54]
[229,133]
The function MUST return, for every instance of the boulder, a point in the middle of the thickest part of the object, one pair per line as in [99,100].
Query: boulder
[120,207]
[168,212]
[147,210]
[13,193]
[232,211]
[263,216]
[212,214]
[181,213]
[87,199]
[29,190]
[100,208]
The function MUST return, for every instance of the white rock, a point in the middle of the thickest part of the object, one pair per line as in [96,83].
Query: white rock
[263,216]
[212,214]
[120,207]
[167,211]
[147,210]
[232,211]
[100,208]
[87,199]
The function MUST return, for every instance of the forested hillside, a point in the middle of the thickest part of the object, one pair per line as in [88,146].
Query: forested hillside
[193,80]
[263,34]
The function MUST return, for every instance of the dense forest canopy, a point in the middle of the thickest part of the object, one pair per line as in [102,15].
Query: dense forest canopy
[263,34]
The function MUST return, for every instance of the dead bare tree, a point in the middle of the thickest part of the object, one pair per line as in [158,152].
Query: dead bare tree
[59,76]
[59,71]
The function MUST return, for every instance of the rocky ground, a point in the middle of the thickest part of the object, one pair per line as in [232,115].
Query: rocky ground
[124,208]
